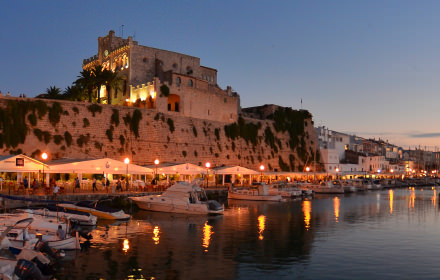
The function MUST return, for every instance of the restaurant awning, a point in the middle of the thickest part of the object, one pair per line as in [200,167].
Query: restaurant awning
[178,168]
[20,163]
[95,166]
[234,170]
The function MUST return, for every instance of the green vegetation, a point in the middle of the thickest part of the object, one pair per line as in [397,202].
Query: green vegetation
[68,138]
[55,113]
[217,133]
[57,139]
[195,131]
[109,133]
[284,166]
[114,120]
[170,123]
[32,119]
[164,90]
[98,146]
[83,140]
[86,122]
[184,153]
[122,139]
[247,131]
[75,110]
[94,108]
[133,121]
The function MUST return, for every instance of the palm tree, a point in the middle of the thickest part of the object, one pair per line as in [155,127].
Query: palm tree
[74,93]
[86,81]
[52,92]
[99,79]
[112,80]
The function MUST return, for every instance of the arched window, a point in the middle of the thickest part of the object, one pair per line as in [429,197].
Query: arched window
[178,81]
[190,83]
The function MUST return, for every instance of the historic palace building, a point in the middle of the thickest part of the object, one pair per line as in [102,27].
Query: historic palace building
[167,81]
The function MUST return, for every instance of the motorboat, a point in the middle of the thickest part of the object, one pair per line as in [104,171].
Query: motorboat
[183,197]
[325,187]
[96,209]
[72,216]
[37,229]
[258,192]
[285,190]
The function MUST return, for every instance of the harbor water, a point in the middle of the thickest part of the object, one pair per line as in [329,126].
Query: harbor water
[386,234]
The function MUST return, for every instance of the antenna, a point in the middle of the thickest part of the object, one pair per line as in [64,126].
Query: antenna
[122,28]
[134,36]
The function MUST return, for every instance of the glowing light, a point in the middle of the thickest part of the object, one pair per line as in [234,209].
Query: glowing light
[127,100]
[126,245]
[336,207]
[262,167]
[261,226]
[126,160]
[156,161]
[434,197]
[337,169]
[391,193]
[307,210]
[307,169]
[98,168]
[392,170]
[208,165]
[207,232]
[156,236]
[44,156]
[153,94]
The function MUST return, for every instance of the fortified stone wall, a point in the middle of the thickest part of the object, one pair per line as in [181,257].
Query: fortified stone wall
[83,130]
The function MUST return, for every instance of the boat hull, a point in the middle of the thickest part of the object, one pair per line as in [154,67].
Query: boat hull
[156,205]
[255,197]
[120,215]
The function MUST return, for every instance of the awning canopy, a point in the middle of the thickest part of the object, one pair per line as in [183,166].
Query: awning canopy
[20,163]
[95,166]
[234,170]
[178,168]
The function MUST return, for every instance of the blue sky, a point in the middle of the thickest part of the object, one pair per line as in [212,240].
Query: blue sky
[369,68]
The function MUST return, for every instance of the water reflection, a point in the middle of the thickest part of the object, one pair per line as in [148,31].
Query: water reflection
[125,245]
[412,198]
[156,236]
[307,209]
[434,197]
[391,193]
[336,207]
[261,226]
[207,232]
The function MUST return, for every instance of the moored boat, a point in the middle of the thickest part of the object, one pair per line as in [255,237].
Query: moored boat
[94,208]
[258,193]
[325,187]
[182,197]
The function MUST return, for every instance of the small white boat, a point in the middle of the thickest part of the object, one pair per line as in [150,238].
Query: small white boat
[81,218]
[285,190]
[97,210]
[259,193]
[183,197]
[326,187]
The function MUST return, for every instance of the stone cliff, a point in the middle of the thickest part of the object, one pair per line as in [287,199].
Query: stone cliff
[282,141]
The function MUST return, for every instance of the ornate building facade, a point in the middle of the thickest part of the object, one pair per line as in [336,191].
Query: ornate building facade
[166,81]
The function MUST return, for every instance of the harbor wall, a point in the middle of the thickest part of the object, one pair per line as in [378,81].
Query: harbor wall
[67,129]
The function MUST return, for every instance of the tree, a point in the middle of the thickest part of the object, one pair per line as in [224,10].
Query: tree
[112,81]
[86,82]
[74,93]
[52,92]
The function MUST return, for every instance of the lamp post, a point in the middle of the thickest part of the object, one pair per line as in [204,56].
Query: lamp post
[261,173]
[307,170]
[207,165]
[337,170]
[156,162]
[126,161]
[44,157]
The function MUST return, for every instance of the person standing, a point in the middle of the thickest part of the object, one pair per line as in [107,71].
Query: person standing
[61,234]
[77,185]
[25,182]
[94,184]
[107,184]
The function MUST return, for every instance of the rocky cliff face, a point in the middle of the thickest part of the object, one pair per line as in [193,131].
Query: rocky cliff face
[284,141]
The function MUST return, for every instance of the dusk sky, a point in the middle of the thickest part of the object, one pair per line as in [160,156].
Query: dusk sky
[369,68]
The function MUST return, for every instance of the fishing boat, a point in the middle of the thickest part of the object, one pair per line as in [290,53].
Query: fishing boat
[325,187]
[94,208]
[182,197]
[259,192]
[285,190]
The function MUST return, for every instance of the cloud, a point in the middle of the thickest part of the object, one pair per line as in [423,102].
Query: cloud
[425,135]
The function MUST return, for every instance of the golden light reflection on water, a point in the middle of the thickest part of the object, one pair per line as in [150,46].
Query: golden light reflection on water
[434,197]
[307,209]
[261,226]
[391,192]
[412,199]
[156,236]
[207,232]
[126,245]
[336,206]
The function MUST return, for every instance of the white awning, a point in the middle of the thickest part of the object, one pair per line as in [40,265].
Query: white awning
[20,163]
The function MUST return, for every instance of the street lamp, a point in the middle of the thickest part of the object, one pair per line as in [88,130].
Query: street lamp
[337,170]
[261,173]
[126,161]
[44,157]
[307,170]
[156,162]
[207,165]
